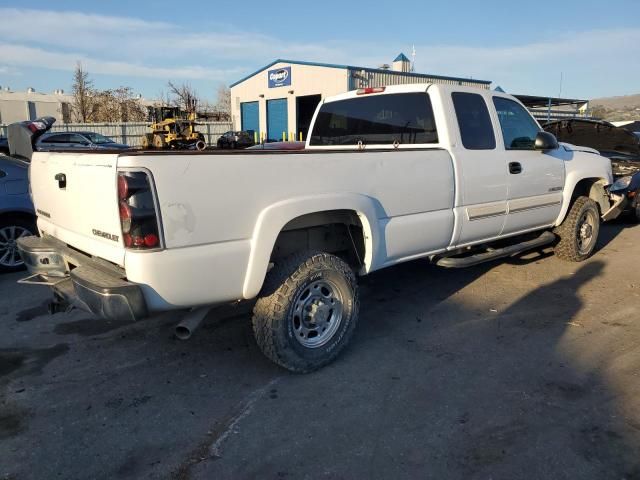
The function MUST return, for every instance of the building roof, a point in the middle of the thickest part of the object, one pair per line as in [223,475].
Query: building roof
[401,58]
[534,101]
[24,96]
[367,69]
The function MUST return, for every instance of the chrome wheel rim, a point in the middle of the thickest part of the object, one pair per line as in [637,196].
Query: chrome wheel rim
[317,314]
[586,229]
[9,255]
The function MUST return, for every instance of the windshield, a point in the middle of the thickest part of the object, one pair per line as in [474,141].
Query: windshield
[97,138]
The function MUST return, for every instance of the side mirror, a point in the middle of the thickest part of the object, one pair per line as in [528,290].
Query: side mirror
[545,141]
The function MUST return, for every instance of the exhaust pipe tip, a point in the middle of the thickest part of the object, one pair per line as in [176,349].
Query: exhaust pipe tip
[191,322]
[183,333]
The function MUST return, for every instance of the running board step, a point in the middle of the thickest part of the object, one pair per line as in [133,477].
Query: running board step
[450,262]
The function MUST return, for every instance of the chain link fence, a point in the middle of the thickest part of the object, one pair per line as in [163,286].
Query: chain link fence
[131,133]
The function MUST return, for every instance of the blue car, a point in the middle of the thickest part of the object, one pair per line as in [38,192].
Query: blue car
[4,146]
[17,217]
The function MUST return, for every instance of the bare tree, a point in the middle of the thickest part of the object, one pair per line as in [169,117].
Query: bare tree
[223,102]
[184,96]
[163,99]
[118,105]
[83,93]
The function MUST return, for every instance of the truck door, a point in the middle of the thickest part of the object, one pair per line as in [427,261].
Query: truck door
[482,180]
[535,178]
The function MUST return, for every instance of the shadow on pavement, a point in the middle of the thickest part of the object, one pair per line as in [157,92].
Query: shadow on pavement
[452,374]
[437,387]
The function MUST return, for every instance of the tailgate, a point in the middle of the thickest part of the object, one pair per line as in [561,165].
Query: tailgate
[75,196]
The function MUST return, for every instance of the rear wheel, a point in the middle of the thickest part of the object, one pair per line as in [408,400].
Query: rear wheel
[159,142]
[579,231]
[10,230]
[307,311]
[147,141]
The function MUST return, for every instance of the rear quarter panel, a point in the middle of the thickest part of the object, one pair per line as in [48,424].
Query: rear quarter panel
[14,187]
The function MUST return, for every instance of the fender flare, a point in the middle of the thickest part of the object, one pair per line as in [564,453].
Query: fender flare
[571,182]
[272,220]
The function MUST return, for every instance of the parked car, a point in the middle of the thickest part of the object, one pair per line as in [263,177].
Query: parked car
[618,144]
[79,140]
[17,217]
[4,146]
[279,146]
[453,174]
[236,139]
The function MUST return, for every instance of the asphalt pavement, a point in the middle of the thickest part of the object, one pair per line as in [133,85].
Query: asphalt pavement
[519,369]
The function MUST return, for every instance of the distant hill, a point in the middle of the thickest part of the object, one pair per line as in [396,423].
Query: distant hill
[616,108]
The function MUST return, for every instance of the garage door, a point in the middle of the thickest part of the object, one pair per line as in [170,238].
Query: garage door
[249,116]
[277,121]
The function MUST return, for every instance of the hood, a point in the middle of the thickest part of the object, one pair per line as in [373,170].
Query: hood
[575,148]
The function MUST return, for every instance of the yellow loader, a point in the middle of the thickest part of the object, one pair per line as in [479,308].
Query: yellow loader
[172,128]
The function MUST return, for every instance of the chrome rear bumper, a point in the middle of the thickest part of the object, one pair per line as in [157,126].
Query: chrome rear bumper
[86,282]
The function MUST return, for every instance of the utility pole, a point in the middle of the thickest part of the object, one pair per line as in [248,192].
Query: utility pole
[560,92]
[413,58]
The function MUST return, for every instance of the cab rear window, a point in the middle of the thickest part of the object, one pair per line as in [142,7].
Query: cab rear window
[405,118]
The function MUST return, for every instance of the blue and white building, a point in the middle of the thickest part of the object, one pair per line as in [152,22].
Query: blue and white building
[278,100]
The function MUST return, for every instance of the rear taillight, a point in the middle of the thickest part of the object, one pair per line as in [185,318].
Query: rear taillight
[368,90]
[138,213]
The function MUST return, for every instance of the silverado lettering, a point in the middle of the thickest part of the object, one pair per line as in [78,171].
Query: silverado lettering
[108,236]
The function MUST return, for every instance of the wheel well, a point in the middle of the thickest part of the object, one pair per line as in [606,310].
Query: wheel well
[338,232]
[594,189]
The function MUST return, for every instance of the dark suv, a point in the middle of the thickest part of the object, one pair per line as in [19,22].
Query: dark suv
[236,140]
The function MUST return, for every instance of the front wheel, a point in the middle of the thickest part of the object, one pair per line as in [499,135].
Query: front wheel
[579,231]
[307,311]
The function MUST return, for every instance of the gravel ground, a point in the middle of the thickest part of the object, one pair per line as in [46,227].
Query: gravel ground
[522,369]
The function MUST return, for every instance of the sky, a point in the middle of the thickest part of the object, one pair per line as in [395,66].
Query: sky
[525,47]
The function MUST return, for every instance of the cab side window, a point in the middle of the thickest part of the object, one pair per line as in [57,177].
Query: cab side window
[474,121]
[75,138]
[60,138]
[519,129]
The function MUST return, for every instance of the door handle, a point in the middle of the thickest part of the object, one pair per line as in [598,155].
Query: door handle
[61,178]
[515,168]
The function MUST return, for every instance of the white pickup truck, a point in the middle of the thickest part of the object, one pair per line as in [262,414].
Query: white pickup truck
[387,175]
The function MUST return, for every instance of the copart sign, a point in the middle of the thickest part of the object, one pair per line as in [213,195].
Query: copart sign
[280,77]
